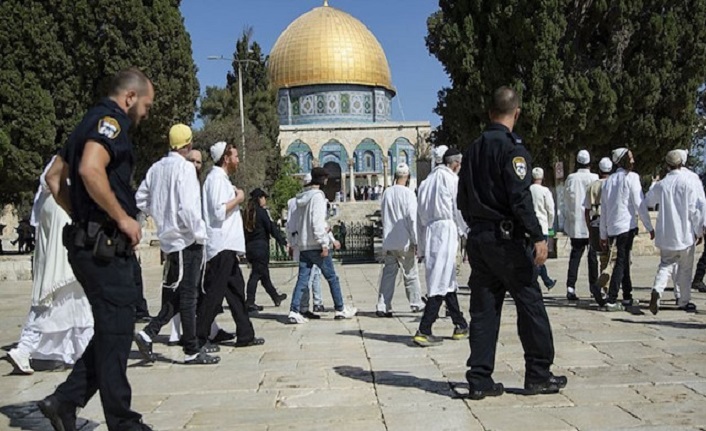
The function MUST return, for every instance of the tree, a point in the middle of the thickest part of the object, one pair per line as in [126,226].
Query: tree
[591,74]
[61,58]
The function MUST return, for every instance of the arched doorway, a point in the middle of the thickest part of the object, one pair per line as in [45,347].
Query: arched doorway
[334,180]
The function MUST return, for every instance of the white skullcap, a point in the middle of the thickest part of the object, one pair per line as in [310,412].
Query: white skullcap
[583,157]
[673,158]
[217,151]
[618,154]
[684,156]
[537,173]
[605,165]
[438,154]
[402,169]
[307,178]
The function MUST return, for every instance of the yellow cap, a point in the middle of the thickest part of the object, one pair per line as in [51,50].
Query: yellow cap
[179,136]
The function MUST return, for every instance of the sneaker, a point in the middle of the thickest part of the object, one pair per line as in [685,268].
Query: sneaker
[689,308]
[296,318]
[550,285]
[424,340]
[144,345]
[550,386]
[311,316]
[417,308]
[654,302]
[460,333]
[20,361]
[319,308]
[383,313]
[346,313]
[222,336]
[700,286]
[478,394]
[210,348]
[571,296]
[201,358]
[279,298]
[630,302]
[614,306]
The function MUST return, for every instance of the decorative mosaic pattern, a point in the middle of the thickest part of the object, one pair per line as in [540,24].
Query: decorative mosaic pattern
[326,104]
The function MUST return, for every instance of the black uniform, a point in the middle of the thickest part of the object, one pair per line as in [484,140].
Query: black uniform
[257,250]
[494,198]
[108,282]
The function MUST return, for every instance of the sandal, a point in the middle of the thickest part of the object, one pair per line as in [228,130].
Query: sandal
[202,358]
[254,342]
[210,348]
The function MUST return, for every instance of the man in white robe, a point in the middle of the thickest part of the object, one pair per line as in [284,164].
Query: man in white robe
[439,229]
[399,225]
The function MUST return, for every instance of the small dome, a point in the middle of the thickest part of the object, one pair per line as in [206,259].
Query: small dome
[328,46]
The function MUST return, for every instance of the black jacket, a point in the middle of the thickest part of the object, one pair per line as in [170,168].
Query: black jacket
[264,228]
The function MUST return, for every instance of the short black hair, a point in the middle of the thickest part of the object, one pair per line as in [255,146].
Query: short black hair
[129,79]
[505,101]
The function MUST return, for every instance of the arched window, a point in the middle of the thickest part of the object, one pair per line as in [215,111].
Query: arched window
[404,158]
[368,161]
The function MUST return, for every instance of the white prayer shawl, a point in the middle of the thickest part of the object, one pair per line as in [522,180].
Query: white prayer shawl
[438,229]
[51,263]
[576,186]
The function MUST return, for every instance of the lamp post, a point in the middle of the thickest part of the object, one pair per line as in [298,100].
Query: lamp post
[240,93]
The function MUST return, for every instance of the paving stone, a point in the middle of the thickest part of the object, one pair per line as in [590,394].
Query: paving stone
[639,372]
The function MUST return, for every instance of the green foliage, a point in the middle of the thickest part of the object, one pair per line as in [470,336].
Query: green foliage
[593,75]
[262,165]
[58,57]
[284,188]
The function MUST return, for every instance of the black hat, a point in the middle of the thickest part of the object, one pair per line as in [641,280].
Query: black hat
[451,152]
[318,175]
[258,193]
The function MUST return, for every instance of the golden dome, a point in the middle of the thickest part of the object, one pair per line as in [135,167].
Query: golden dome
[328,46]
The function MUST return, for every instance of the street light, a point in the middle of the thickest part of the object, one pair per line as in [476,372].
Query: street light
[240,92]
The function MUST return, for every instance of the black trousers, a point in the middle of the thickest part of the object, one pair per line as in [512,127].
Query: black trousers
[431,312]
[141,309]
[621,268]
[700,268]
[180,294]
[258,254]
[224,278]
[578,245]
[111,290]
[499,266]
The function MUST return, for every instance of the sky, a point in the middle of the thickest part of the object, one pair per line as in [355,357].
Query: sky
[399,25]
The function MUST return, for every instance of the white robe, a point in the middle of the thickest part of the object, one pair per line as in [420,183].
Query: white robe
[60,322]
[438,223]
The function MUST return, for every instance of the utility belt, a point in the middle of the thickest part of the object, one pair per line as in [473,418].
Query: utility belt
[104,239]
[504,229]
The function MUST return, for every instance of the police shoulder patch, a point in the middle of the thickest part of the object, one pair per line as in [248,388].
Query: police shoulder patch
[520,166]
[109,127]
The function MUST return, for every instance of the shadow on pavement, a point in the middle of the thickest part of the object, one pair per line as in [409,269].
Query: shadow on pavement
[398,379]
[390,338]
[26,416]
[281,318]
[670,323]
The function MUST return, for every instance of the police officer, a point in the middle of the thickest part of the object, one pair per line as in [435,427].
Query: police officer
[494,198]
[98,160]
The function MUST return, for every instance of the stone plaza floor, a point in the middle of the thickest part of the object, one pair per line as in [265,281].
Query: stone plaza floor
[626,370]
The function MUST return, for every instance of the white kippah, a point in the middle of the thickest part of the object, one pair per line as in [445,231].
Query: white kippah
[537,173]
[402,169]
[605,165]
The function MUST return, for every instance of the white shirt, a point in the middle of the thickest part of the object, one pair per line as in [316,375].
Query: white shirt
[399,218]
[680,218]
[169,194]
[621,196]
[576,186]
[225,230]
[543,206]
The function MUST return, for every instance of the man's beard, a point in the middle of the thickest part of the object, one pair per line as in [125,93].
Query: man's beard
[133,115]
